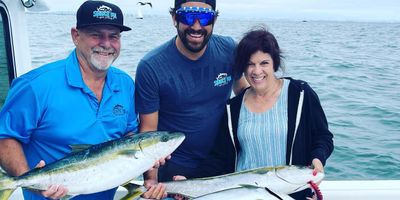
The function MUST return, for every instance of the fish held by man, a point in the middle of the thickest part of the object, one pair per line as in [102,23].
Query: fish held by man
[98,167]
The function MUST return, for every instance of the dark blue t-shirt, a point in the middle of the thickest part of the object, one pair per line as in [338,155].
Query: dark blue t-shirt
[189,95]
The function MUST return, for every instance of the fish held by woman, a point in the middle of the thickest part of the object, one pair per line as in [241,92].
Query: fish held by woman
[283,179]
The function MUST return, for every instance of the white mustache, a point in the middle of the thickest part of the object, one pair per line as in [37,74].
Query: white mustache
[102,50]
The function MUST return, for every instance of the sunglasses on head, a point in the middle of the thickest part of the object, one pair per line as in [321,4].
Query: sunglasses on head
[189,15]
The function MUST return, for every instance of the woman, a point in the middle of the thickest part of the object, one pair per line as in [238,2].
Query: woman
[284,112]
[276,121]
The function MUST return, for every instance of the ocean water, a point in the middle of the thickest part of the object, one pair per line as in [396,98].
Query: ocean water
[353,66]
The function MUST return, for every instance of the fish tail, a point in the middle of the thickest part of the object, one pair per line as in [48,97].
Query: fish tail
[134,191]
[5,194]
[6,186]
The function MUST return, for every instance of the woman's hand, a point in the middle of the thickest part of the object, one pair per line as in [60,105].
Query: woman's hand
[318,168]
[317,165]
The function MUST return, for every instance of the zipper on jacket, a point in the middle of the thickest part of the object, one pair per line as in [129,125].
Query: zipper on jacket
[298,116]
[228,109]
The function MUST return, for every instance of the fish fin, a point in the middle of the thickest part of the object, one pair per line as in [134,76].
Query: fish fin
[248,186]
[137,180]
[134,182]
[79,147]
[134,191]
[5,182]
[68,197]
[5,194]
[276,195]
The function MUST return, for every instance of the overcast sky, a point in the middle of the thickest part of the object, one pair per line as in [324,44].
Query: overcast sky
[354,10]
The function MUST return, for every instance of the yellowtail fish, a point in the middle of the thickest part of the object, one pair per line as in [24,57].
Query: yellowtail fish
[284,179]
[99,167]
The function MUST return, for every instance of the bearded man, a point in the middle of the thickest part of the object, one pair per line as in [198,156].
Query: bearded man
[183,86]
[79,100]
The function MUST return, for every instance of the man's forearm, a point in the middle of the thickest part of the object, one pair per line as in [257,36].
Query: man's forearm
[12,157]
[151,174]
[149,122]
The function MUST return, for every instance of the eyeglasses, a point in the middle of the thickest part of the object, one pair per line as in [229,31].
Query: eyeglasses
[189,15]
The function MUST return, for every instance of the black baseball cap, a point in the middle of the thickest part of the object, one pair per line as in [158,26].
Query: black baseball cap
[212,3]
[100,13]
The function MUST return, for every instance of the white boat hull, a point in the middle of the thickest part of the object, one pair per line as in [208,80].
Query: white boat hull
[365,190]
[331,190]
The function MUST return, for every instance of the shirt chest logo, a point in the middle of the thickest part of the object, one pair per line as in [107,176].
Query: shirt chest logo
[119,110]
[222,79]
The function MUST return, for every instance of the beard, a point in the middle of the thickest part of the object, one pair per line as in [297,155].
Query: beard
[195,48]
[100,61]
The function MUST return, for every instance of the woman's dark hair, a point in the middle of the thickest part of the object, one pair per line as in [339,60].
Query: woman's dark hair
[257,39]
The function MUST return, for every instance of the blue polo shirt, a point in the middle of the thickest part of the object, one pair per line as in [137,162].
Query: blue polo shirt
[50,108]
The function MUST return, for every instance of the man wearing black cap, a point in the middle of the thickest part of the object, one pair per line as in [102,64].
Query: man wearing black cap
[79,100]
[183,86]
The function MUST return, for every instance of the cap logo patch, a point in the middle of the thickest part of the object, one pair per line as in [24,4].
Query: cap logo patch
[104,12]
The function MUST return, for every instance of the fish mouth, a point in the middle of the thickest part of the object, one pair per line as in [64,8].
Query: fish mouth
[300,186]
[305,180]
[177,135]
[154,139]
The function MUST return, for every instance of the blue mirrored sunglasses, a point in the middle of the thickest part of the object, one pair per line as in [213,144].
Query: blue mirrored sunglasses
[189,15]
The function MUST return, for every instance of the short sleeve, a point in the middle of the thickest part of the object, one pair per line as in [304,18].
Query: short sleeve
[133,122]
[21,112]
[147,89]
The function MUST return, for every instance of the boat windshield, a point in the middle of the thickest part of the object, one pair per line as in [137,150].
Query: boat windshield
[4,66]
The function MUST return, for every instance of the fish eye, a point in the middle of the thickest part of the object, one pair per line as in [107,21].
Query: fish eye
[164,138]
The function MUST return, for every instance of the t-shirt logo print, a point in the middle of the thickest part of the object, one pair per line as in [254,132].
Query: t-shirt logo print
[104,12]
[118,110]
[222,79]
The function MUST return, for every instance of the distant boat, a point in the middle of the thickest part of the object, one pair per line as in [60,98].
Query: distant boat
[139,14]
